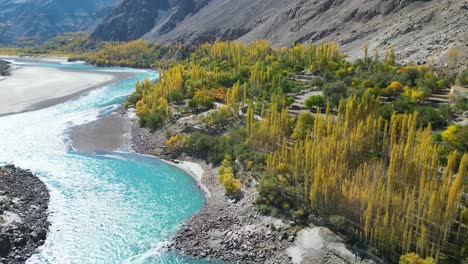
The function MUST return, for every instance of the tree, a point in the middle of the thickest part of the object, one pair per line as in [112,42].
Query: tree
[305,122]
[452,57]
[226,177]
[463,78]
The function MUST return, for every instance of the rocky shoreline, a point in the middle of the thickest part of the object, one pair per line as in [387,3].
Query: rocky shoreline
[24,203]
[233,231]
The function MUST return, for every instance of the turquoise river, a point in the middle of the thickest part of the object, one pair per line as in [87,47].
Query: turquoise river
[110,208]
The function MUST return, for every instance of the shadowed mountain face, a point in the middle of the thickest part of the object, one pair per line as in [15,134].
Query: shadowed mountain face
[415,28]
[133,19]
[42,19]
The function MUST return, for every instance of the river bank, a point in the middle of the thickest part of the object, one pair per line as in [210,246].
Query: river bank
[24,203]
[34,87]
[224,229]
[233,231]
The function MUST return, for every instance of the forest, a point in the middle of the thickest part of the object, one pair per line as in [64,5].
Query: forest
[371,156]
[369,151]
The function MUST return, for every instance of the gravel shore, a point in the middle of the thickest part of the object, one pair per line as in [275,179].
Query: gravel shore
[228,230]
[233,231]
[24,203]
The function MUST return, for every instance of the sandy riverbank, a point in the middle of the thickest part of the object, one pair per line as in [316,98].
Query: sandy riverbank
[33,87]
[111,133]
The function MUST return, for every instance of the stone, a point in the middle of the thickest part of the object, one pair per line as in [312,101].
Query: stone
[5,245]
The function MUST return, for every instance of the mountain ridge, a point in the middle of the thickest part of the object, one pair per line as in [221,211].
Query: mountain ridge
[43,19]
[417,29]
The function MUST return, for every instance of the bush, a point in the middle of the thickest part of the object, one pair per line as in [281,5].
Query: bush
[334,91]
[463,78]
[413,258]
[315,101]
[408,76]
[299,215]
[176,143]
[221,117]
[404,104]
[210,148]
[457,137]
[427,114]
[153,120]
[133,99]
[446,113]
[176,96]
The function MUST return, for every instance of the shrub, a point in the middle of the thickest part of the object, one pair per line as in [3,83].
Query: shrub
[153,120]
[428,115]
[334,91]
[220,117]
[463,78]
[176,96]
[133,99]
[315,101]
[299,215]
[413,258]
[176,143]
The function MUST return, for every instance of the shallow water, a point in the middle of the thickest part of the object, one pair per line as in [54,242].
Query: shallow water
[109,208]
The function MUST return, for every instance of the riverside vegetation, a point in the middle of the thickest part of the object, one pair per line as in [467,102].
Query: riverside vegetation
[370,154]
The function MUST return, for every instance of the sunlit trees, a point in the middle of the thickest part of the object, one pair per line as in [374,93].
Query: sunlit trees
[380,176]
[138,53]
[305,122]
[452,57]
[273,129]
[226,177]
[383,177]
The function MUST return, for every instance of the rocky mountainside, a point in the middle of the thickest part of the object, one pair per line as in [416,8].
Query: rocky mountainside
[42,19]
[417,29]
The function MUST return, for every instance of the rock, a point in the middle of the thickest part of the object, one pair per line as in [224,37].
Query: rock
[5,245]
[26,198]
[20,242]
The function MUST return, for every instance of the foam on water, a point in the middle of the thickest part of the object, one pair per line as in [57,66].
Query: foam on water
[111,208]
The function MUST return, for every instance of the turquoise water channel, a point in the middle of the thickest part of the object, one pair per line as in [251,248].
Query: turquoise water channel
[109,208]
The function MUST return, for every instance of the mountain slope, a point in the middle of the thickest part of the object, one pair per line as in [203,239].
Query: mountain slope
[133,19]
[416,28]
[42,19]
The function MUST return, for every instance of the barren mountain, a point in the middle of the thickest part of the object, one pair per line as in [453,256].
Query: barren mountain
[42,19]
[418,29]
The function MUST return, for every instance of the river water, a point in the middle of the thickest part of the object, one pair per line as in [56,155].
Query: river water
[108,208]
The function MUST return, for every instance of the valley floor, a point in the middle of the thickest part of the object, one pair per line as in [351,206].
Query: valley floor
[223,229]
[32,87]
